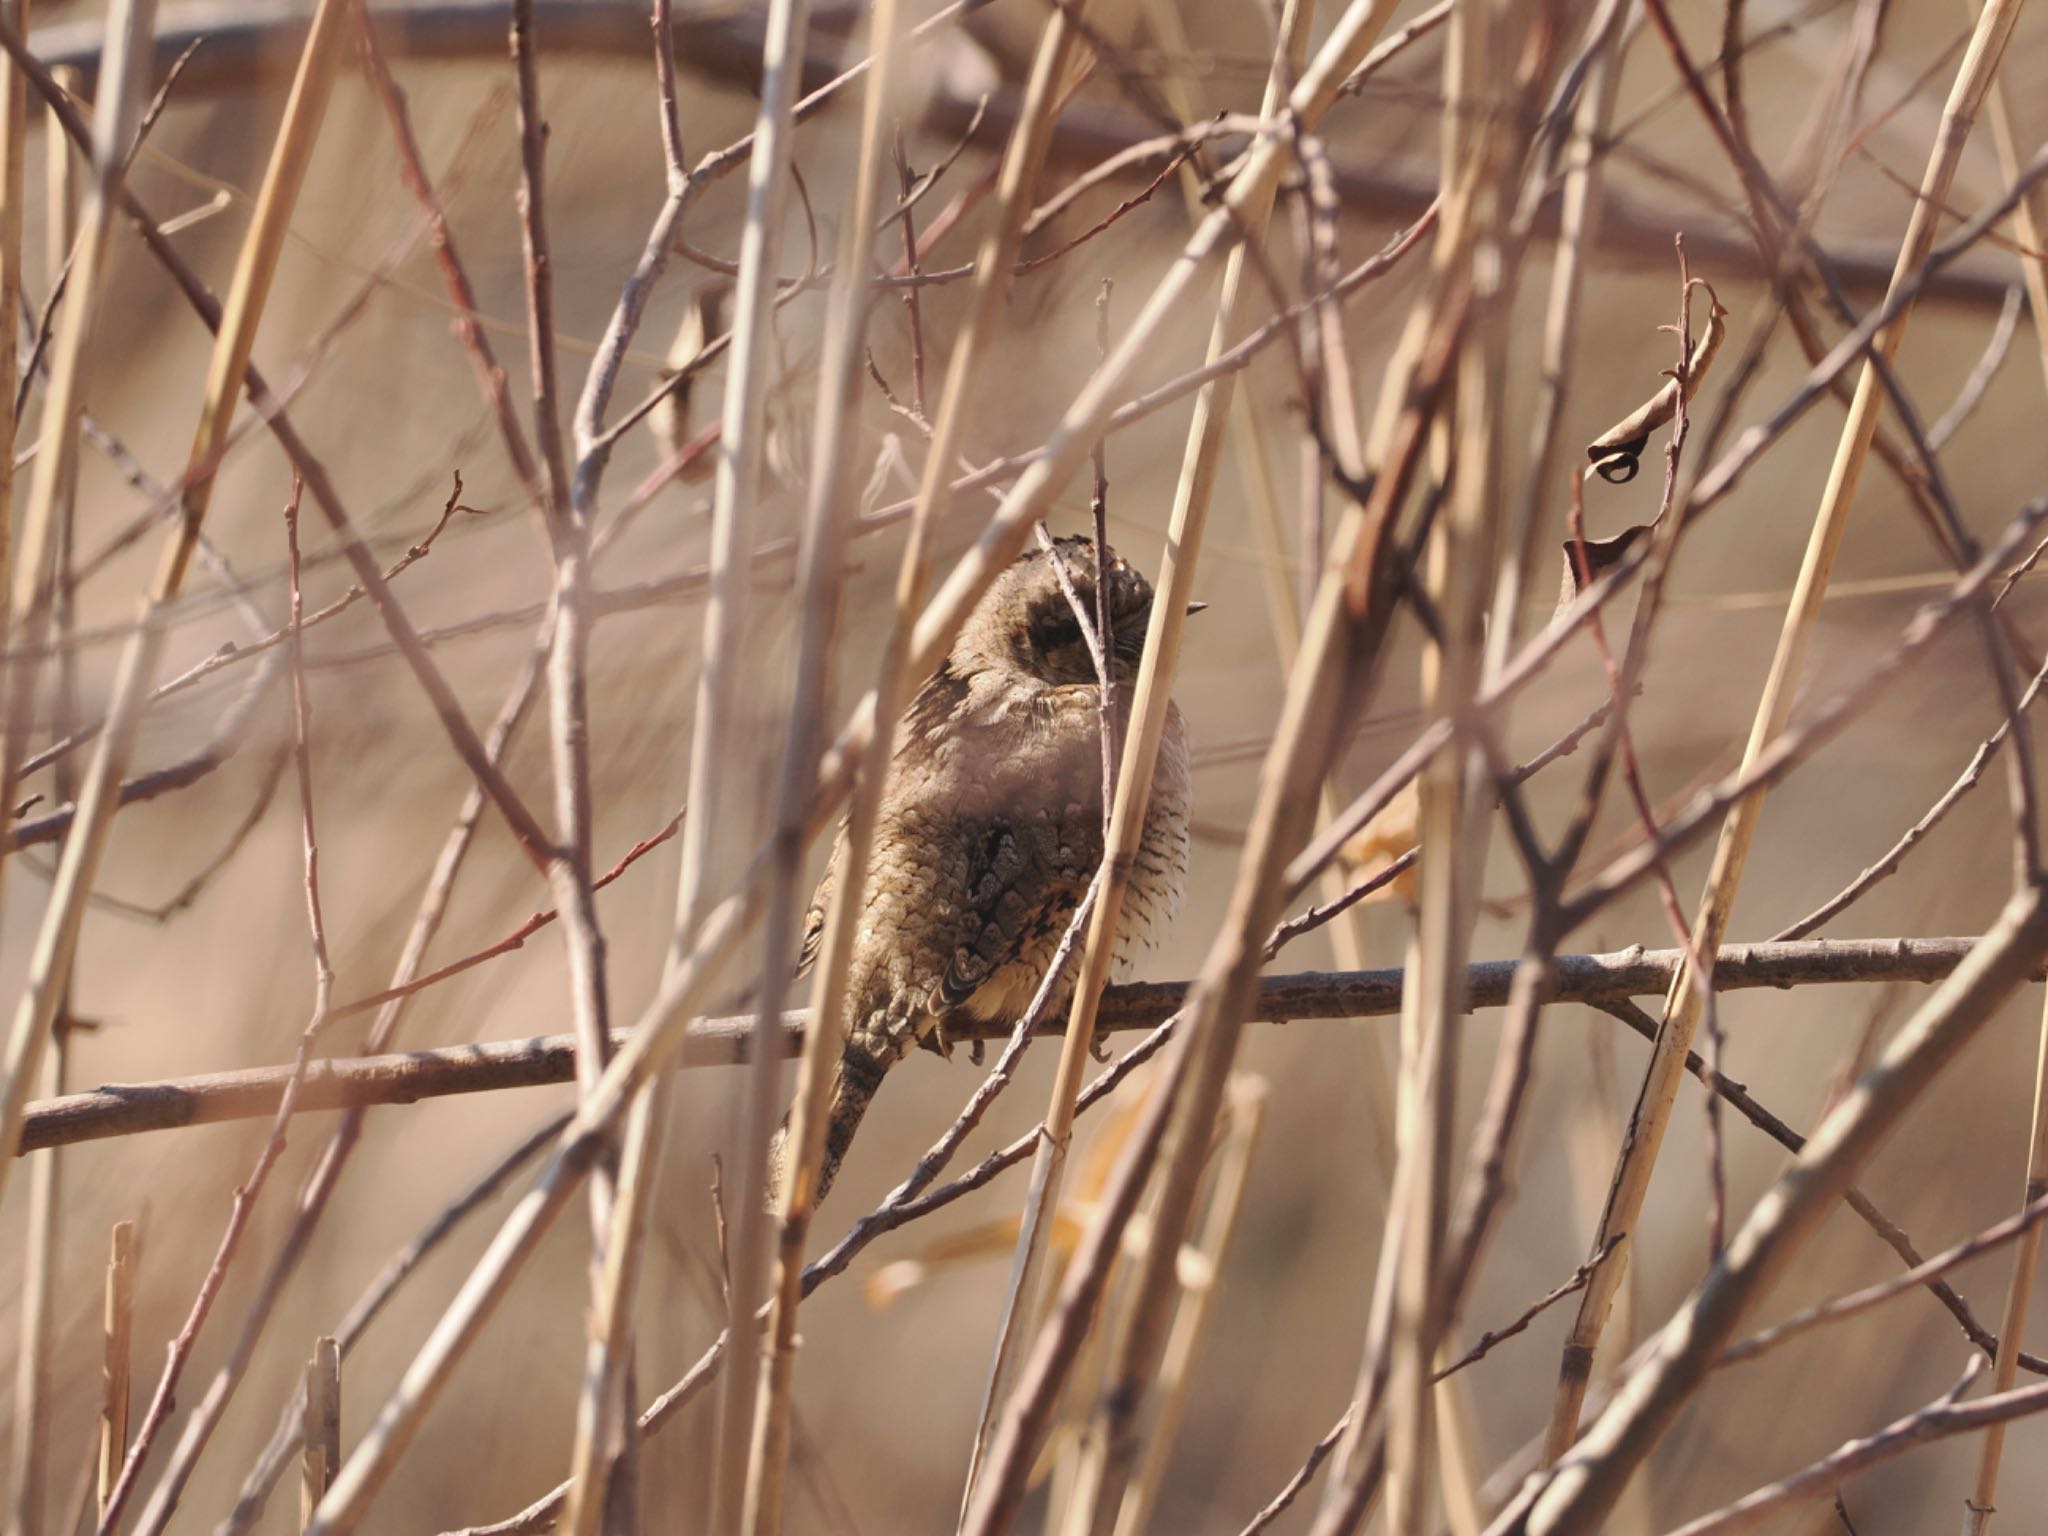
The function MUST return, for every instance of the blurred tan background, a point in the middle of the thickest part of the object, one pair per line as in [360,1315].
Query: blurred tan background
[888,1397]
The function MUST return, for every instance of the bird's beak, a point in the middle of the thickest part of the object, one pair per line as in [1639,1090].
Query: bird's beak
[1195,608]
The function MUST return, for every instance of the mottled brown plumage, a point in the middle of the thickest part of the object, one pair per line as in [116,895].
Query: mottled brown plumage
[991,828]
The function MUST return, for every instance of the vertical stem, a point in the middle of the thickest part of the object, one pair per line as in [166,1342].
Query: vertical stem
[322,1432]
[1682,1011]
[605,1403]
[41,1267]
[1452,821]
[1109,1452]
[540,271]
[1246,1111]
[14,91]
[32,1404]
[118,1328]
[735,492]
[1979,1507]
[1581,1491]
[115,115]
[828,519]
[2026,222]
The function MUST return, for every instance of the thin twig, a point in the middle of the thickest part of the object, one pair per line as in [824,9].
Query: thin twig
[288,1436]
[1006,1408]
[828,522]
[1938,1420]
[1585,1485]
[128,25]
[2017,1225]
[118,1343]
[206,1416]
[475,342]
[1493,1336]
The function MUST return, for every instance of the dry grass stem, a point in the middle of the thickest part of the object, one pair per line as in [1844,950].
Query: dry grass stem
[34,1401]
[322,1426]
[1983,1500]
[471,317]
[604,1487]
[25,1514]
[827,524]
[1245,1111]
[32,556]
[288,1437]
[1938,1419]
[2027,224]
[736,494]
[1684,1007]
[1584,1485]
[1108,1450]
[1460,574]
[118,1344]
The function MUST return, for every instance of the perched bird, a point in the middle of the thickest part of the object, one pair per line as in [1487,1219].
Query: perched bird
[990,828]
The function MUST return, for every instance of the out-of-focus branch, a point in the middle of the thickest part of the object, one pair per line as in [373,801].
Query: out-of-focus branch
[1584,1486]
[122,1109]
[248,42]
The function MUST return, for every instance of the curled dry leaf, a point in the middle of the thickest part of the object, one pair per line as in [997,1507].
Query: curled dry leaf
[1384,839]
[1617,453]
[988,1241]
[1599,555]
[671,419]
[982,1243]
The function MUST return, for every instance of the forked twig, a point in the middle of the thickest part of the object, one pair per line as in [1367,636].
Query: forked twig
[1684,1006]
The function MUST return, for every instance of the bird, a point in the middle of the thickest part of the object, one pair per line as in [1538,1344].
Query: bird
[990,830]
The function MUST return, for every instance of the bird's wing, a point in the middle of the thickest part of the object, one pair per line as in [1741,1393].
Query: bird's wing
[1023,882]
[814,916]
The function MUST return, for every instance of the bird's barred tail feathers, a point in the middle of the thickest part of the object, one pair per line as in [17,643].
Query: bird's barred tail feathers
[854,1082]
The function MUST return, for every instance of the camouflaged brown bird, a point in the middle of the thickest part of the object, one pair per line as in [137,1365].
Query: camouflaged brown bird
[990,829]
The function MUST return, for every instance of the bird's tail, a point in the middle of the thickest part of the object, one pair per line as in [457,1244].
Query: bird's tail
[854,1082]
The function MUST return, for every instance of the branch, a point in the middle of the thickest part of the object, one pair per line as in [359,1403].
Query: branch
[1585,1485]
[246,40]
[123,1109]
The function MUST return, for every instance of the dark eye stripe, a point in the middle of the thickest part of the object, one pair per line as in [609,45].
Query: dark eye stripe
[1056,633]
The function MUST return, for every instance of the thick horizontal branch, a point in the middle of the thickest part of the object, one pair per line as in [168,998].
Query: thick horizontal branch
[249,41]
[122,1109]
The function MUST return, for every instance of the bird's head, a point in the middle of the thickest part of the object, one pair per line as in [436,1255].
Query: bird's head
[1026,624]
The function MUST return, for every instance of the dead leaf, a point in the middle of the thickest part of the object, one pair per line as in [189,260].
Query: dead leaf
[1617,453]
[1601,556]
[1390,833]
